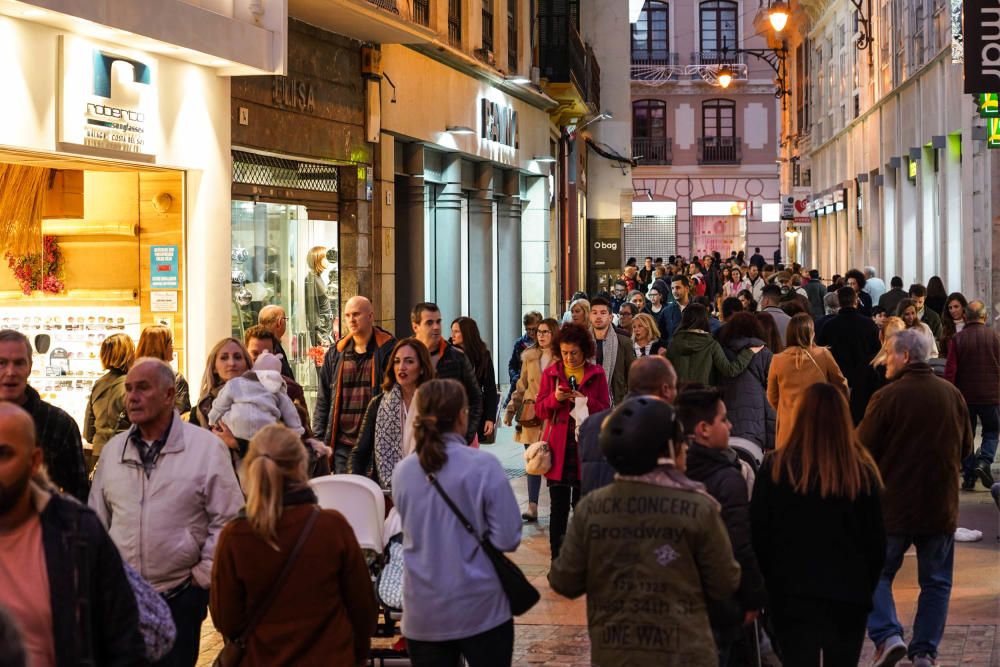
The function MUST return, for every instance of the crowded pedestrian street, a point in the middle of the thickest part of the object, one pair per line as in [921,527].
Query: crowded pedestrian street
[482,333]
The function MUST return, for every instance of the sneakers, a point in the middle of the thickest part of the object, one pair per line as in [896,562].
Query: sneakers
[889,652]
[923,660]
[983,473]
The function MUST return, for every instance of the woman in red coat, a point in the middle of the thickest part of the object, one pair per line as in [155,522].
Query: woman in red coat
[571,377]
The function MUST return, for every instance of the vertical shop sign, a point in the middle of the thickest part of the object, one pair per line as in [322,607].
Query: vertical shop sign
[163,272]
[981,38]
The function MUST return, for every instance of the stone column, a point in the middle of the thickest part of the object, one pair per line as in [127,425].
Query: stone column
[356,274]
[446,240]
[480,252]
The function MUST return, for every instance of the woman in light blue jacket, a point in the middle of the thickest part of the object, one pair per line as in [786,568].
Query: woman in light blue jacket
[452,599]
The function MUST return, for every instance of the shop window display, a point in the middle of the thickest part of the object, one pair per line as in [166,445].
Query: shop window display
[282,257]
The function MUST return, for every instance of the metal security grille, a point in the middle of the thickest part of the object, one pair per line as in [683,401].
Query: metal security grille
[266,170]
[651,236]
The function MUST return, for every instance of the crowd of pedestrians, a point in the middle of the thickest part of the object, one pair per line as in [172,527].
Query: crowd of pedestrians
[706,423]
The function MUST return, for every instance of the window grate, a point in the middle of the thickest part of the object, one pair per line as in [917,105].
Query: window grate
[655,236]
[266,170]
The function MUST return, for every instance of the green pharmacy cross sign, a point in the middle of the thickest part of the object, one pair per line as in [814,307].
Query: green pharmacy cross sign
[989,108]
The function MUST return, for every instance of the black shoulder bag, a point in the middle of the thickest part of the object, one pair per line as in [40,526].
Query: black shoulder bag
[232,653]
[520,592]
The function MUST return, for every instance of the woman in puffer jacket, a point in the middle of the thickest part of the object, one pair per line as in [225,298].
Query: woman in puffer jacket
[745,395]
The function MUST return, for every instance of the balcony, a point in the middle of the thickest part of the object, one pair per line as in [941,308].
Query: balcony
[568,66]
[653,150]
[720,150]
[654,70]
[378,21]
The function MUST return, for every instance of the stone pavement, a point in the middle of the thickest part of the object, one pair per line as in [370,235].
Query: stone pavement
[554,633]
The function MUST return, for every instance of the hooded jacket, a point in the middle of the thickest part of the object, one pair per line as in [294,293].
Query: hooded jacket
[745,395]
[326,414]
[698,357]
[720,472]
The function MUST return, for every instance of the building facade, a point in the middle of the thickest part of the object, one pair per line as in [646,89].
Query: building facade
[706,179]
[899,179]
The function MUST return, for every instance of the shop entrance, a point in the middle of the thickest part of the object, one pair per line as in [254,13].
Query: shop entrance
[112,262]
[718,226]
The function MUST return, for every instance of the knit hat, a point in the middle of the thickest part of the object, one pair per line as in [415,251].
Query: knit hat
[267,362]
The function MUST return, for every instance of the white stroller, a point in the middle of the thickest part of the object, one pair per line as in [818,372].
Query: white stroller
[362,503]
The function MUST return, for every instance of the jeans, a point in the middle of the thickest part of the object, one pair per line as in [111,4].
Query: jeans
[493,648]
[935,562]
[562,497]
[341,457]
[807,629]
[989,417]
[188,609]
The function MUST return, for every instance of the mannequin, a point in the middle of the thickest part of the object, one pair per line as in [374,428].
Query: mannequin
[319,311]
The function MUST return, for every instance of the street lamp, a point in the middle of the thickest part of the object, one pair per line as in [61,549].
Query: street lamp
[778,15]
[725,76]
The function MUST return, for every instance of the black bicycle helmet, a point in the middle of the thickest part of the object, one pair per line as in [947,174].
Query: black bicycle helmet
[637,433]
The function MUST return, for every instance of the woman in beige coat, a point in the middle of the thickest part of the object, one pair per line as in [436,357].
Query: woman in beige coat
[800,366]
[534,360]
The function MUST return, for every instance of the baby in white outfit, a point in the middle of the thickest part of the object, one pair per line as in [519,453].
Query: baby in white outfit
[255,399]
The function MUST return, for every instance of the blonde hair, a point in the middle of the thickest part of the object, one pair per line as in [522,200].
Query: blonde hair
[210,379]
[276,456]
[893,326]
[585,305]
[153,342]
[117,352]
[315,258]
[648,322]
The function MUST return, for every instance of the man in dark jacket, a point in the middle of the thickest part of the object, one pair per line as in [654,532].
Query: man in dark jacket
[815,291]
[919,295]
[60,576]
[891,299]
[974,367]
[757,259]
[350,377]
[58,435]
[680,287]
[712,462]
[713,279]
[649,376]
[917,429]
[853,340]
[449,362]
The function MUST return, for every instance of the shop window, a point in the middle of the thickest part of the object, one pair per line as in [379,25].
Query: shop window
[651,34]
[718,26]
[283,257]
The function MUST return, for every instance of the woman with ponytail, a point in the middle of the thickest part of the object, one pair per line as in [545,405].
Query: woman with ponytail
[324,611]
[455,606]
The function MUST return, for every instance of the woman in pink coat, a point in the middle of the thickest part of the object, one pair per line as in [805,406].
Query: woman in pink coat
[571,377]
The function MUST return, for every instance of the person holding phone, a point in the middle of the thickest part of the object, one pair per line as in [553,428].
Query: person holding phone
[564,381]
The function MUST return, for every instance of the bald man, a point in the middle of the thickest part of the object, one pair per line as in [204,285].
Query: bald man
[350,377]
[648,376]
[274,319]
[57,558]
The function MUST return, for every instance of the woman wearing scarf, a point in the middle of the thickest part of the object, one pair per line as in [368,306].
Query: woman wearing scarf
[382,429]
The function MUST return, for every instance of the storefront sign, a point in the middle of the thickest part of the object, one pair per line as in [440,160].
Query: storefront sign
[499,124]
[109,97]
[163,267]
[982,45]
[989,104]
[993,132]
[605,253]
[787,207]
[802,208]
[293,93]
[163,301]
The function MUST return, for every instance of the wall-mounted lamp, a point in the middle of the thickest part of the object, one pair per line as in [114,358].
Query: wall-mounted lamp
[460,129]
[778,14]
[865,38]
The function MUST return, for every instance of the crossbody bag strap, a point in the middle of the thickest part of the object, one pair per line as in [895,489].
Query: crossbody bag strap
[262,607]
[454,508]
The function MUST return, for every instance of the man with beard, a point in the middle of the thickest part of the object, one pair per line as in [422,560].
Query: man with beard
[57,559]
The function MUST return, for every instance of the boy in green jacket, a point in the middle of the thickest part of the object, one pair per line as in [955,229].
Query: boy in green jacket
[647,549]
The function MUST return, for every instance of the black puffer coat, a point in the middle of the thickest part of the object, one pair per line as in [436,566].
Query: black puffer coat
[745,395]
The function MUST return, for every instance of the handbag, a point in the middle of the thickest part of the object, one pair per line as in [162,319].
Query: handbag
[538,458]
[232,653]
[521,594]
[526,415]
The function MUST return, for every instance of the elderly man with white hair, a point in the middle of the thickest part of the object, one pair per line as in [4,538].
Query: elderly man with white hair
[874,285]
[917,429]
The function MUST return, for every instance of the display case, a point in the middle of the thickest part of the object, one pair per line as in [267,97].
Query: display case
[65,374]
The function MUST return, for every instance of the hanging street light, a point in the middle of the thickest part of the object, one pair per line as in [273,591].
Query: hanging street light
[777,14]
[725,76]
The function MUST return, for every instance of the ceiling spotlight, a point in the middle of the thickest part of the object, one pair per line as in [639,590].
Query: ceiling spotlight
[543,158]
[518,79]
[778,15]
[460,129]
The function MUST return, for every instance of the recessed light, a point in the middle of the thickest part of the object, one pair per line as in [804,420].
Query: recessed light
[32,13]
[460,129]
[220,63]
[543,158]
[518,79]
